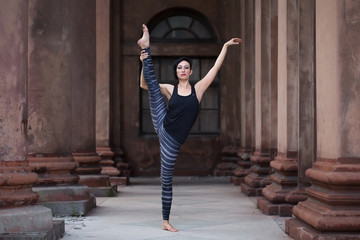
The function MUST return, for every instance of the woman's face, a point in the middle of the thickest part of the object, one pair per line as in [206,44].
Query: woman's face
[183,70]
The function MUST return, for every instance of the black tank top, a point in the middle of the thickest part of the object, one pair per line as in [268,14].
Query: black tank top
[182,113]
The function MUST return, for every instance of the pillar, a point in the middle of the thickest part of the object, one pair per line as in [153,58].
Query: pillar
[83,69]
[49,94]
[230,101]
[273,79]
[247,89]
[51,52]
[285,163]
[115,86]
[108,166]
[332,210]
[19,214]
[245,150]
[307,118]
[259,176]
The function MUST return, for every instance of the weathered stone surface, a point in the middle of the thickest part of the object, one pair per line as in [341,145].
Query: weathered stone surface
[25,219]
[258,177]
[271,208]
[107,163]
[88,162]
[56,232]
[53,169]
[328,208]
[299,230]
[16,179]
[333,206]
[229,161]
[66,200]
[62,193]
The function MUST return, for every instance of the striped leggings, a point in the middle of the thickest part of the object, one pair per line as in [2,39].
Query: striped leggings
[169,147]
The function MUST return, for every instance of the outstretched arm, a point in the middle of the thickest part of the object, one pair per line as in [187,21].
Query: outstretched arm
[204,83]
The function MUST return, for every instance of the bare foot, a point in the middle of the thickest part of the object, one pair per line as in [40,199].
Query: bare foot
[144,41]
[167,226]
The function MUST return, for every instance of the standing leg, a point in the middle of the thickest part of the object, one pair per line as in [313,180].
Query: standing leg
[169,149]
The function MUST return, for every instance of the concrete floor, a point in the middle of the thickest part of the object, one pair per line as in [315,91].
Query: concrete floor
[203,209]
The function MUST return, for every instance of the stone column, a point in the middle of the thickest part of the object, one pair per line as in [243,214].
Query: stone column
[116,95]
[103,93]
[259,176]
[247,89]
[245,152]
[83,72]
[19,215]
[50,94]
[51,51]
[332,210]
[307,145]
[285,164]
[274,79]
[230,101]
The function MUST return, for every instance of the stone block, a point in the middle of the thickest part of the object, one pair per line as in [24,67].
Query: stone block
[269,208]
[62,193]
[299,230]
[94,180]
[250,191]
[71,208]
[56,232]
[33,218]
[110,191]
[236,180]
[119,181]
[67,200]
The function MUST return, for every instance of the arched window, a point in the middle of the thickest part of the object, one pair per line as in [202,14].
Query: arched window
[177,27]
[180,28]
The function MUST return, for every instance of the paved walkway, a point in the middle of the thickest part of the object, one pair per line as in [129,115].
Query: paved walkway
[203,209]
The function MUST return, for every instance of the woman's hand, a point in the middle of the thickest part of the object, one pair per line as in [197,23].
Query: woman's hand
[233,41]
[143,55]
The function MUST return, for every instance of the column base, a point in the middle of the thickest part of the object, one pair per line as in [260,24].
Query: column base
[119,181]
[34,222]
[107,163]
[236,180]
[297,195]
[226,166]
[269,208]
[299,230]
[73,200]
[53,169]
[110,171]
[250,191]
[228,163]
[88,162]
[238,175]
[243,169]
[257,181]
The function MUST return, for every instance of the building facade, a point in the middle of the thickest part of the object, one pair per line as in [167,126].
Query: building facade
[285,105]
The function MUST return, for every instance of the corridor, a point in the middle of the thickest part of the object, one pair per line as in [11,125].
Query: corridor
[203,209]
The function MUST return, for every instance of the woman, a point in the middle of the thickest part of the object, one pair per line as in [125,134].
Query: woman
[173,125]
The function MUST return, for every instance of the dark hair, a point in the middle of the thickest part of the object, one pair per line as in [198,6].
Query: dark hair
[179,60]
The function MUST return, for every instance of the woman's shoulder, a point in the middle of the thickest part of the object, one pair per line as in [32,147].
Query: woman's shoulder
[167,86]
[167,89]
